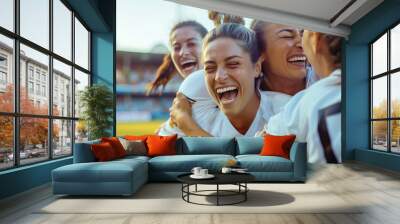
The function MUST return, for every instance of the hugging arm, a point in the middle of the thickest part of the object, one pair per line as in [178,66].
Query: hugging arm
[181,116]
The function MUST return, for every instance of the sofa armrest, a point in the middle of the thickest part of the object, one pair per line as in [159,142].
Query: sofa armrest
[83,152]
[298,155]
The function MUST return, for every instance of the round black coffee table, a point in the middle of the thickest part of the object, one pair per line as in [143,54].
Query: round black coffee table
[238,179]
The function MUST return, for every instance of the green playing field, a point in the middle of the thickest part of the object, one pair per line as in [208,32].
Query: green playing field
[138,128]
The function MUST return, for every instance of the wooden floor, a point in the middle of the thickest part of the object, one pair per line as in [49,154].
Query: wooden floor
[378,188]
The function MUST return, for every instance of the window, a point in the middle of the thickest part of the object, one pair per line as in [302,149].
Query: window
[30,87]
[40,83]
[38,89]
[3,78]
[7,14]
[7,73]
[385,94]
[81,45]
[30,72]
[44,91]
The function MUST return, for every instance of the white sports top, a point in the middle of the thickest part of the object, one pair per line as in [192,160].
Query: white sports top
[314,116]
[208,116]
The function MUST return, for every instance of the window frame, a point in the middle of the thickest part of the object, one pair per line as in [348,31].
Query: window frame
[388,74]
[16,115]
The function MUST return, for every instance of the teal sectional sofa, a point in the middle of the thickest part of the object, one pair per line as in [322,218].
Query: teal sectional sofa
[125,176]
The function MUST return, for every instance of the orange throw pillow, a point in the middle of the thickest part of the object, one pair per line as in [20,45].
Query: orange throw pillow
[103,152]
[116,145]
[277,145]
[161,145]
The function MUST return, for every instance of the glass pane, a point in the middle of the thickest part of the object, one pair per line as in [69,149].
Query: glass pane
[379,55]
[81,131]
[7,14]
[62,138]
[395,136]
[6,74]
[395,94]
[62,29]
[34,81]
[33,139]
[81,45]
[379,135]
[395,47]
[379,97]
[81,81]
[62,89]
[6,142]
[35,21]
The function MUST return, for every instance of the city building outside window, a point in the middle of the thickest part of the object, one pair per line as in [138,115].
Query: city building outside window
[57,126]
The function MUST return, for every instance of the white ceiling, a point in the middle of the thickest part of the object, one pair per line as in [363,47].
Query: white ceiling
[317,15]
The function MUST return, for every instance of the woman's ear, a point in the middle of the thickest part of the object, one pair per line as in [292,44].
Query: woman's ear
[258,65]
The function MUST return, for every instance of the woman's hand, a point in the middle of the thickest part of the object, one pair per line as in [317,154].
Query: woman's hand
[181,116]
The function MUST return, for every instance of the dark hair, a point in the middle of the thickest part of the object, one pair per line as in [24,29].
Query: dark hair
[197,26]
[334,44]
[258,27]
[244,36]
[167,69]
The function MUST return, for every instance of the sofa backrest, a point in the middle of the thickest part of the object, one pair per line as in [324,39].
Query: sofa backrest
[249,145]
[205,145]
[83,152]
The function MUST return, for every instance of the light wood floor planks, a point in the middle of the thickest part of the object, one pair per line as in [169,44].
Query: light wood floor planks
[378,189]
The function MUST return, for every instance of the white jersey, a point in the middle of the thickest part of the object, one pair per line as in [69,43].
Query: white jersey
[207,115]
[314,116]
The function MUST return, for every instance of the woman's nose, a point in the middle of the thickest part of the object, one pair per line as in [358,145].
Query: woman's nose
[184,50]
[220,74]
[298,39]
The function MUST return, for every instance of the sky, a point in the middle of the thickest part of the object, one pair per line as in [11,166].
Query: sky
[143,24]
[35,27]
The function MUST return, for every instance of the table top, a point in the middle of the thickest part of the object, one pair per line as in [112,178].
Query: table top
[220,178]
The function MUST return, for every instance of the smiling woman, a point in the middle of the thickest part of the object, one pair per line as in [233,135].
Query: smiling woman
[185,42]
[232,66]
[284,66]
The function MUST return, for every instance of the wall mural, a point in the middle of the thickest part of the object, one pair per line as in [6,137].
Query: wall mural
[193,72]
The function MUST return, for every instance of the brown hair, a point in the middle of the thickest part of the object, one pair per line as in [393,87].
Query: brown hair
[167,69]
[334,44]
[258,27]
[219,18]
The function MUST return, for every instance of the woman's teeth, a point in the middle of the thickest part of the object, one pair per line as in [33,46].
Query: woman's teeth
[298,60]
[227,94]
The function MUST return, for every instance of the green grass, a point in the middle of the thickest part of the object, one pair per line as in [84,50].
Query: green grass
[138,128]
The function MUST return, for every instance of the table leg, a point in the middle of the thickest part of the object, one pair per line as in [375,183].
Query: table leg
[217,194]
[196,188]
[245,191]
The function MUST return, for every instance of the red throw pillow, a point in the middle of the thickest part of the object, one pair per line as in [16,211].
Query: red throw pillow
[277,145]
[161,145]
[116,145]
[103,152]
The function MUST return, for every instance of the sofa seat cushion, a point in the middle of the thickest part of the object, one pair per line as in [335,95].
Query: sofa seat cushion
[112,171]
[257,163]
[185,163]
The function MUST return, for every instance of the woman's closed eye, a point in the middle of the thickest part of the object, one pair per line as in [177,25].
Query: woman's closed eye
[210,69]
[286,34]
[233,64]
